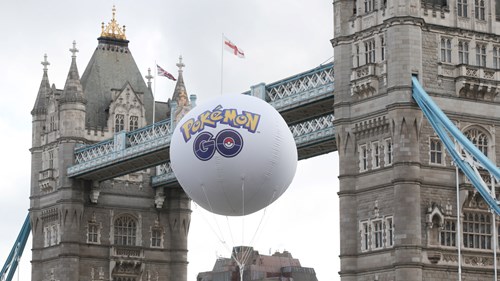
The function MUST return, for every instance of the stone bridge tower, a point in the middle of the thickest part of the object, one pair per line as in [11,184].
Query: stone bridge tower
[397,184]
[120,229]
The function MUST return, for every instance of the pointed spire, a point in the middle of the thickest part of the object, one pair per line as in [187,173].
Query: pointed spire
[180,88]
[73,91]
[180,95]
[40,106]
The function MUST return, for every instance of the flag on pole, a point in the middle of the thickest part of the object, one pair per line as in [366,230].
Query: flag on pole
[231,47]
[164,73]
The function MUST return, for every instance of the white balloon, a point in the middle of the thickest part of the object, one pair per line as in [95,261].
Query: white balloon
[233,155]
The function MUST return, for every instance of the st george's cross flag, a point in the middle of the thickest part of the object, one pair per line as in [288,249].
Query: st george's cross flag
[164,73]
[231,47]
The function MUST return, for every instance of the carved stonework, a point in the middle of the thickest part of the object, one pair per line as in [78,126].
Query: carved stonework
[371,127]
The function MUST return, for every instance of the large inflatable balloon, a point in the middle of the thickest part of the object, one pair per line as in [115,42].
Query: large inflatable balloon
[233,155]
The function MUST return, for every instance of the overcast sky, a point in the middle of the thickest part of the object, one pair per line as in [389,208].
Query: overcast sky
[280,38]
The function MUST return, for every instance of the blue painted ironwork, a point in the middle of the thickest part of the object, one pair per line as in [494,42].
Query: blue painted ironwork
[15,254]
[465,154]
[123,145]
[311,85]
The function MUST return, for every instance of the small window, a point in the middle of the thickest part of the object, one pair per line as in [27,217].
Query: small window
[481,55]
[462,8]
[119,123]
[363,158]
[134,123]
[93,233]
[389,233]
[378,232]
[375,155]
[448,234]
[382,48]
[463,52]
[479,9]
[445,50]
[436,151]
[364,236]
[51,235]
[357,56]
[496,57]
[369,6]
[388,152]
[370,51]
[51,159]
[156,237]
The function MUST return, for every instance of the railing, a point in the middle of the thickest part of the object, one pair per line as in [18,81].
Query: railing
[315,129]
[134,138]
[308,85]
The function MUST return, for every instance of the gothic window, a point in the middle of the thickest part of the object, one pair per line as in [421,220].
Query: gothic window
[134,123]
[375,155]
[481,55]
[357,56]
[370,51]
[93,233]
[156,237]
[448,234]
[378,231]
[382,48]
[119,123]
[479,139]
[436,151]
[51,235]
[388,152]
[365,232]
[389,232]
[363,158]
[497,9]
[369,5]
[51,159]
[462,8]
[445,50]
[125,228]
[479,9]
[477,230]
[52,123]
[354,9]
[496,57]
[463,52]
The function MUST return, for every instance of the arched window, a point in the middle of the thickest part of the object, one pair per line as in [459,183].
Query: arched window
[134,123]
[119,123]
[125,231]
[479,139]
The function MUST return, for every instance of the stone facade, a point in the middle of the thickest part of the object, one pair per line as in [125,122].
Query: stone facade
[397,184]
[110,230]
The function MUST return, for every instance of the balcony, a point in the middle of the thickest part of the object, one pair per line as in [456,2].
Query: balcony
[47,180]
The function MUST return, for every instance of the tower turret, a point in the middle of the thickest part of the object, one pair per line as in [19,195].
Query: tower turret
[39,111]
[72,102]
[180,103]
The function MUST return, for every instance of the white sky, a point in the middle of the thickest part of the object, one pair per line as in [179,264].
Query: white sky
[280,38]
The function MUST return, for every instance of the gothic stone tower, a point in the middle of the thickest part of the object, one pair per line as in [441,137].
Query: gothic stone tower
[397,184]
[119,229]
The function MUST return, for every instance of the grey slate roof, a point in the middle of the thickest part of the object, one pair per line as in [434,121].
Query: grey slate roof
[40,106]
[111,66]
[73,91]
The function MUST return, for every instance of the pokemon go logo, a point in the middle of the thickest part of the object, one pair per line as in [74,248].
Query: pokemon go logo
[227,142]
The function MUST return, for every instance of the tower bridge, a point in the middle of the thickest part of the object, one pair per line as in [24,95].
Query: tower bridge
[406,211]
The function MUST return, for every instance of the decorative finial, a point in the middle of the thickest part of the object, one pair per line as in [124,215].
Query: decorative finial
[149,76]
[113,30]
[74,50]
[45,62]
[180,65]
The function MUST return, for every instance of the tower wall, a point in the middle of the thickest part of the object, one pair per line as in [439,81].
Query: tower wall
[397,183]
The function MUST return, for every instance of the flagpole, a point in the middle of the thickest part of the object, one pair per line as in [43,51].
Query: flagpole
[154,93]
[222,64]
